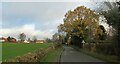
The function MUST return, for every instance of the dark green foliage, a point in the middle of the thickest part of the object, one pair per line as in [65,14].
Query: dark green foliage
[48,40]
[11,38]
[8,39]
[102,28]
[77,41]
[103,35]
[22,37]
[103,48]
[66,37]
[113,19]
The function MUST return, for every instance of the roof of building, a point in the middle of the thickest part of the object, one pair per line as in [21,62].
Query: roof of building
[3,38]
[40,41]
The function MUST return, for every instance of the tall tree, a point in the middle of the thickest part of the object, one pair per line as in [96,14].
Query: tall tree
[34,39]
[48,40]
[55,37]
[22,37]
[113,19]
[8,38]
[80,21]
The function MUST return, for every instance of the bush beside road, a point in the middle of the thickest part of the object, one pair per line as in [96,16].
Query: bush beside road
[26,52]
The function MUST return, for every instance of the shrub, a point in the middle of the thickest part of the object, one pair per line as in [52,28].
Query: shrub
[30,57]
[40,52]
[34,56]
[104,48]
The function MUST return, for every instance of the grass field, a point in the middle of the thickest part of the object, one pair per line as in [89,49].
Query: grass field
[11,50]
[52,56]
[0,51]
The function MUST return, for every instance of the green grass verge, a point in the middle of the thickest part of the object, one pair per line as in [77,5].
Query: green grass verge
[11,50]
[0,51]
[52,55]
[106,58]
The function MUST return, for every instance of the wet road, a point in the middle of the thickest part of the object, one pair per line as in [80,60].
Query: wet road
[72,55]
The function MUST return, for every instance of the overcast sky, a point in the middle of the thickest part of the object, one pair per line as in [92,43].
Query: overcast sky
[34,18]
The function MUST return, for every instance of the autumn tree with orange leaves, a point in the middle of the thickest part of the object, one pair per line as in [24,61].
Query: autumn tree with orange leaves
[82,23]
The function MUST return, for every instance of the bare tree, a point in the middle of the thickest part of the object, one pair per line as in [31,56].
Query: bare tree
[34,39]
[22,37]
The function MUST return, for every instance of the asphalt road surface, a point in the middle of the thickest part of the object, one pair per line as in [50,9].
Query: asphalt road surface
[72,55]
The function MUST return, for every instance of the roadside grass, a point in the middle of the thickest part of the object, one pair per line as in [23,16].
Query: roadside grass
[104,57]
[11,50]
[0,51]
[52,56]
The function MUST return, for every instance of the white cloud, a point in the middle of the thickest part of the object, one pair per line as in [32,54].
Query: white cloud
[45,0]
[44,17]
[37,10]
[59,0]
[0,15]
[29,30]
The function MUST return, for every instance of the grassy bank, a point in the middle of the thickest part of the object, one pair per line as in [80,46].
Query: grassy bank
[0,51]
[52,55]
[11,50]
[106,58]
